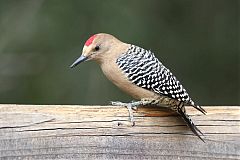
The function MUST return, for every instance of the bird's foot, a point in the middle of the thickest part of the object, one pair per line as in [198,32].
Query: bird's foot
[134,106]
[130,106]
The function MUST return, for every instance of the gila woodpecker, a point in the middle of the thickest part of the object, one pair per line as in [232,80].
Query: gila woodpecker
[140,74]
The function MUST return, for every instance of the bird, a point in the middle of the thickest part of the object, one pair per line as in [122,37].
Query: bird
[140,74]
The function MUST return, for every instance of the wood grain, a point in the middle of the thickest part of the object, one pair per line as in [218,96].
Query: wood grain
[103,132]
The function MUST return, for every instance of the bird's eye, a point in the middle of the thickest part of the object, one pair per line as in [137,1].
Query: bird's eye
[97,48]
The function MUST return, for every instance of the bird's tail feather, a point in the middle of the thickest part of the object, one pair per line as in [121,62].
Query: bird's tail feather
[199,108]
[190,123]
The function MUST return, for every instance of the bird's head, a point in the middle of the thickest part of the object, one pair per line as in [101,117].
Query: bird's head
[97,47]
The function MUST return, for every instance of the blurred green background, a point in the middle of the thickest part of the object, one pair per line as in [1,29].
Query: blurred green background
[39,39]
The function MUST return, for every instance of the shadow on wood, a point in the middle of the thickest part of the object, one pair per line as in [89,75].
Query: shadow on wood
[103,132]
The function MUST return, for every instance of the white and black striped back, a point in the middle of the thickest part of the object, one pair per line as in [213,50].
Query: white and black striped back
[145,70]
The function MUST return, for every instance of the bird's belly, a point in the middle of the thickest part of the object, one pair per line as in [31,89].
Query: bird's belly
[114,74]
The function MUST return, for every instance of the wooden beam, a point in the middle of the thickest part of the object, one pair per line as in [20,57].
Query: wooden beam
[103,132]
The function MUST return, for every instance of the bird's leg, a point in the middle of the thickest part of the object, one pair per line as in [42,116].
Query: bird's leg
[130,106]
[134,105]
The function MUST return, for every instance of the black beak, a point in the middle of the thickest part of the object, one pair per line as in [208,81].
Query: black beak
[79,60]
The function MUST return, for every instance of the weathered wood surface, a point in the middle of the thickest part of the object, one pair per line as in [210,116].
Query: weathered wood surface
[103,132]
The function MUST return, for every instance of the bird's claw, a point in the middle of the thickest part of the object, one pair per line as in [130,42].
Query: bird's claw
[135,108]
[130,111]
[130,108]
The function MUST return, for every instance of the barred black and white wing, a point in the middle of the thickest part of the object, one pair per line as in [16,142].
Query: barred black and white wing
[145,70]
